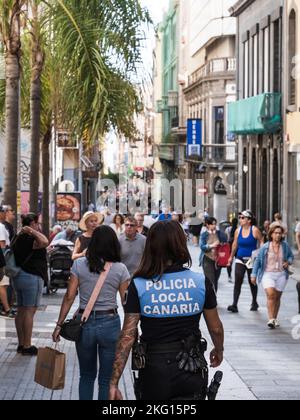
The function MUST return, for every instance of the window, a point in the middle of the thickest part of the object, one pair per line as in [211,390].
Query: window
[246,69]
[266,58]
[219,131]
[255,50]
[292,55]
[277,55]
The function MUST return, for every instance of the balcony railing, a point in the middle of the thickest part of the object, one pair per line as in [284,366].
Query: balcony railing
[162,105]
[217,65]
[257,115]
[172,99]
[216,154]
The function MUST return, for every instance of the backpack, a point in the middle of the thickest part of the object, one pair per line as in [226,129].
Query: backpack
[11,269]
[223,254]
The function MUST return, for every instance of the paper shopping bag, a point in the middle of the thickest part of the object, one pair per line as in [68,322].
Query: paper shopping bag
[50,369]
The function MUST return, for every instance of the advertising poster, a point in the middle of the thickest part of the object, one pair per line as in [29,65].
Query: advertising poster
[68,207]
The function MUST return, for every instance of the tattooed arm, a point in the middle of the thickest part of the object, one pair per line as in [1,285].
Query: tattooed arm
[126,341]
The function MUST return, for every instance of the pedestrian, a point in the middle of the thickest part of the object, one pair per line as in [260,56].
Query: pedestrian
[271,268]
[30,253]
[266,230]
[91,206]
[6,310]
[246,240]
[196,226]
[55,231]
[102,329]
[87,224]
[209,242]
[278,221]
[186,225]
[132,245]
[108,217]
[297,232]
[10,217]
[141,228]
[68,235]
[165,215]
[118,224]
[169,299]
[230,232]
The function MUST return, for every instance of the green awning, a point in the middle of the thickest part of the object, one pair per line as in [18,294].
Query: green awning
[257,115]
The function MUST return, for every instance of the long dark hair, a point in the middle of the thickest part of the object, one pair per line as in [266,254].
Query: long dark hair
[166,244]
[104,247]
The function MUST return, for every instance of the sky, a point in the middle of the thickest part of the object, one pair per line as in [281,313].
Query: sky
[156,9]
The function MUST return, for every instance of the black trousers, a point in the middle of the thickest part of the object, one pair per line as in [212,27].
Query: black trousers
[240,271]
[212,272]
[162,380]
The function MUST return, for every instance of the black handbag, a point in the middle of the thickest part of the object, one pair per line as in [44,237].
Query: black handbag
[71,330]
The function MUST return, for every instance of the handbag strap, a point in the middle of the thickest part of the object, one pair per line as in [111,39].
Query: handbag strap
[96,292]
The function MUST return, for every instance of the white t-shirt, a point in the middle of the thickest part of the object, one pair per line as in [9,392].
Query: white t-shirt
[297,230]
[4,235]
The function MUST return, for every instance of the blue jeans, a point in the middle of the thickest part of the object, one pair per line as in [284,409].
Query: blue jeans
[99,340]
[29,289]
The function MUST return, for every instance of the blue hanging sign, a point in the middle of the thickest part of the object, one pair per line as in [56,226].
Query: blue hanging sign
[194,137]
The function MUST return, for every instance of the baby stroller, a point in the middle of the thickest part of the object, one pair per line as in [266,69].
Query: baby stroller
[60,264]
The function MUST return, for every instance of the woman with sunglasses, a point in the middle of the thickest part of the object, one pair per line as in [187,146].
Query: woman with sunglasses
[246,240]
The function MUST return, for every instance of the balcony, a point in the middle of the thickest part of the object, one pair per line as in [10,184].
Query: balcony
[172,99]
[216,154]
[257,115]
[215,66]
[162,105]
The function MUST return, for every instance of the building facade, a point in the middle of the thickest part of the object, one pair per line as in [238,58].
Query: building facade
[256,118]
[291,202]
[211,86]
[168,104]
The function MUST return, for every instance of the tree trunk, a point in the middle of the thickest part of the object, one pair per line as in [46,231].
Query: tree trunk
[12,130]
[46,190]
[35,144]
[35,109]
[12,44]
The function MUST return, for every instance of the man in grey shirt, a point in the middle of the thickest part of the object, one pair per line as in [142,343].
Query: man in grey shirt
[132,245]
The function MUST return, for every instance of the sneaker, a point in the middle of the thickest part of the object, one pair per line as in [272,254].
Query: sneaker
[233,309]
[32,351]
[9,314]
[230,280]
[271,324]
[277,324]
[254,307]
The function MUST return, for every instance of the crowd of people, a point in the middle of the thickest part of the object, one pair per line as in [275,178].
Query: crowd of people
[150,267]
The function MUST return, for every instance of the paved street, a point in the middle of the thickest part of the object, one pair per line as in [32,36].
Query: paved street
[260,364]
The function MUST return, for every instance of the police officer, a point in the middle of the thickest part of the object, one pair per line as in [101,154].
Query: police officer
[169,300]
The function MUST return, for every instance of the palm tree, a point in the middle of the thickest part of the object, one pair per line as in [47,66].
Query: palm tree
[10,28]
[37,65]
[83,89]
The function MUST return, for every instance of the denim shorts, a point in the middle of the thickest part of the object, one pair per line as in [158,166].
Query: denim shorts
[29,289]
